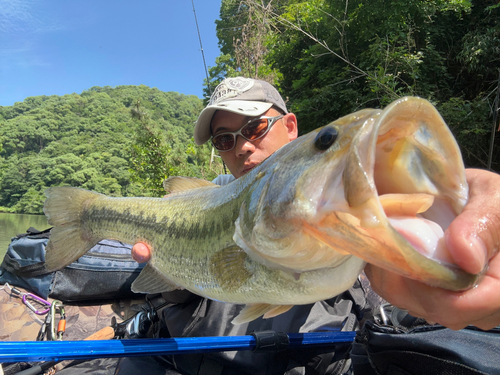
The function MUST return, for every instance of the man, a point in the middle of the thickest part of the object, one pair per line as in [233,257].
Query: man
[238,101]
[247,121]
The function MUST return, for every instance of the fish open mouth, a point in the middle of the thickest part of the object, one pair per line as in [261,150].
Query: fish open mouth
[425,235]
[419,175]
[404,183]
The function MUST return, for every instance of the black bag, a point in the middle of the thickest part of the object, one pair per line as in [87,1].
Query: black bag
[105,272]
[425,350]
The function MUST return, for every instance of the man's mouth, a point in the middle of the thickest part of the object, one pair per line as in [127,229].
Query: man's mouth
[248,168]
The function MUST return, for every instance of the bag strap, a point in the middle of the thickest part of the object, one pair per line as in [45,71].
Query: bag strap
[35,233]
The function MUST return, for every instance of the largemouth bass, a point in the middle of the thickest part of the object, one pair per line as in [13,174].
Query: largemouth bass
[376,186]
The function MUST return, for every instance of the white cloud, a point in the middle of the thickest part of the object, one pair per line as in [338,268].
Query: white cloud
[24,17]
[21,24]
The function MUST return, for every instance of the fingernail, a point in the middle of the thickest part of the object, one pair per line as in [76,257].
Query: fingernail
[480,252]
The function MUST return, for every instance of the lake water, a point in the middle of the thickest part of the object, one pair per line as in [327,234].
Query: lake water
[12,224]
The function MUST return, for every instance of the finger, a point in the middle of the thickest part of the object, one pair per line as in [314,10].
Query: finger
[393,289]
[141,252]
[488,323]
[479,306]
[456,310]
[435,305]
[474,236]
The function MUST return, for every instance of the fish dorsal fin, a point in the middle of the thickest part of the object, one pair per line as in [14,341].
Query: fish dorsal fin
[177,184]
[254,311]
[151,280]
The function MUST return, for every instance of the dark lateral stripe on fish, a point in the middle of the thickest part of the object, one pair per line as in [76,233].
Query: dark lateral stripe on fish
[174,226]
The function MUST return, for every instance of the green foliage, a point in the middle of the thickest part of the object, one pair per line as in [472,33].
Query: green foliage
[150,154]
[243,30]
[327,58]
[467,121]
[87,140]
[31,202]
[334,57]
[156,156]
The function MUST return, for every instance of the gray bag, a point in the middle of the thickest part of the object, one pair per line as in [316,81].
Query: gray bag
[105,272]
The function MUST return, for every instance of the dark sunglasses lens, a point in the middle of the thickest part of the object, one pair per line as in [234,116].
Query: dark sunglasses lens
[255,129]
[223,142]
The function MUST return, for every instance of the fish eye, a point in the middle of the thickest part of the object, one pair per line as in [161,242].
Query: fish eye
[325,138]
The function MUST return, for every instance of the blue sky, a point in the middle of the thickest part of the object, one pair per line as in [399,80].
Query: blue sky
[63,47]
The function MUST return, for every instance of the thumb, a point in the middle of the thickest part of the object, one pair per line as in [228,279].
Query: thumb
[141,252]
[474,236]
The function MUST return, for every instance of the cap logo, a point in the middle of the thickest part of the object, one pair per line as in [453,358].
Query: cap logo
[229,88]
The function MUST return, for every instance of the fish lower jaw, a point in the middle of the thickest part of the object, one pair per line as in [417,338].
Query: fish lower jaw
[425,236]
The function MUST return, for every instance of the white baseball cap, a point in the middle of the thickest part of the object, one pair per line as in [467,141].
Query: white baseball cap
[244,96]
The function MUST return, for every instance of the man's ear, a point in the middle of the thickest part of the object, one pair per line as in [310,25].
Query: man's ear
[290,122]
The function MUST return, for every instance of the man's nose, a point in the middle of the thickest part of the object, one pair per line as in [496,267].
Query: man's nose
[243,146]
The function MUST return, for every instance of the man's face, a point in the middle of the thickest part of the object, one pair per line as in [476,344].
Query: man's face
[246,155]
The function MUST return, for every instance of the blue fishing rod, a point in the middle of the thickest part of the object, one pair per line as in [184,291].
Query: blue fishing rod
[263,341]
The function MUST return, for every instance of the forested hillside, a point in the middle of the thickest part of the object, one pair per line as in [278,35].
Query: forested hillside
[92,141]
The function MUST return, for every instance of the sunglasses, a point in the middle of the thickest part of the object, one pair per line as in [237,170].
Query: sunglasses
[251,131]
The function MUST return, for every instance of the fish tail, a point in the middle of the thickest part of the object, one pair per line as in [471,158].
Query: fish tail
[68,238]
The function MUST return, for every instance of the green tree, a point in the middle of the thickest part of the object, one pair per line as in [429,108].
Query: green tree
[243,31]
[157,155]
[150,161]
[31,202]
[335,57]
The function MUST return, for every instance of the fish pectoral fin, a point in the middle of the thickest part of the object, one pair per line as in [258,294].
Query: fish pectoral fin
[150,280]
[177,184]
[228,268]
[254,311]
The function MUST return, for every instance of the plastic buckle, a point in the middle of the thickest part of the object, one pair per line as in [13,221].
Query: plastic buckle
[270,341]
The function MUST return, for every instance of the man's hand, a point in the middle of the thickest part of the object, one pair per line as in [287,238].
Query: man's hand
[473,238]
